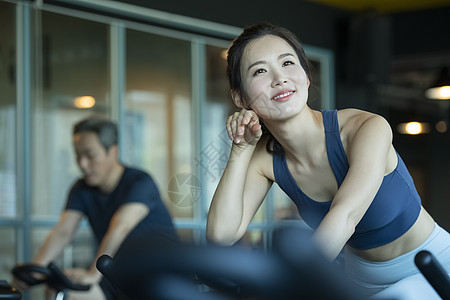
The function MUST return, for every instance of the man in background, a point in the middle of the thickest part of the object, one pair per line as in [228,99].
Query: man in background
[118,201]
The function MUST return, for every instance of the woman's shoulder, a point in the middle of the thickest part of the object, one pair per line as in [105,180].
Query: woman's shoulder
[353,119]
[352,122]
[353,113]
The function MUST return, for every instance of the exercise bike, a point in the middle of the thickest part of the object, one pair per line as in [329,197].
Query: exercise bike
[293,270]
[51,275]
[8,292]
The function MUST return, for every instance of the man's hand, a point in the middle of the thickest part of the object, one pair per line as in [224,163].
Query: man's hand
[19,285]
[83,276]
[23,286]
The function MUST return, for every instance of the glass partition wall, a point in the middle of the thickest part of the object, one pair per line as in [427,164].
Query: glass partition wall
[166,89]
[9,202]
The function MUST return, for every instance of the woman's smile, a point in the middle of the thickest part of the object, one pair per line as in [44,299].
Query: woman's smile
[283,96]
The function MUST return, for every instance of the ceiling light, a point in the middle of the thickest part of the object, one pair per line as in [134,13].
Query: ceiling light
[441,87]
[441,126]
[84,102]
[413,128]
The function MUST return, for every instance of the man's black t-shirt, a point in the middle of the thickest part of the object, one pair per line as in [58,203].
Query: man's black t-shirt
[134,186]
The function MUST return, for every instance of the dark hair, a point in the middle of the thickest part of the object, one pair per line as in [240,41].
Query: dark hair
[106,130]
[238,46]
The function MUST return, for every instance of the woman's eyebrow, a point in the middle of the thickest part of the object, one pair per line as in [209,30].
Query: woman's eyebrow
[263,61]
[285,54]
[259,62]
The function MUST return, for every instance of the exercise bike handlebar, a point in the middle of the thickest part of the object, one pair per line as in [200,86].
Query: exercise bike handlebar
[255,269]
[51,275]
[433,271]
[25,272]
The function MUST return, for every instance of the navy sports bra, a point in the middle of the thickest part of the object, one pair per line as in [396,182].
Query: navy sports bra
[393,211]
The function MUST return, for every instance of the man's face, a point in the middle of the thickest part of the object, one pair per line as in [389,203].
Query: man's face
[94,161]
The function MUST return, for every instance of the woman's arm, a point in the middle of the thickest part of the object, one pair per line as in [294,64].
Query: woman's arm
[242,187]
[368,152]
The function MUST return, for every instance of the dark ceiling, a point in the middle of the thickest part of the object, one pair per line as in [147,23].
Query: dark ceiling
[385,6]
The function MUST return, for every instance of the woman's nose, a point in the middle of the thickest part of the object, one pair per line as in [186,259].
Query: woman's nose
[278,79]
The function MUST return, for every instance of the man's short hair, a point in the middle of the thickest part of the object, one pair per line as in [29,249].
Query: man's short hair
[106,130]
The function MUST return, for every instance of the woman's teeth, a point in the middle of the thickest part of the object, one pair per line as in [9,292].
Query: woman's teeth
[282,95]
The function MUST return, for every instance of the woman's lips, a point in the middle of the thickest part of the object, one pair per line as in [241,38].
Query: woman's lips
[283,96]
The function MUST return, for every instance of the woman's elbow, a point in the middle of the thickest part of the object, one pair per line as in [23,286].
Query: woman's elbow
[218,237]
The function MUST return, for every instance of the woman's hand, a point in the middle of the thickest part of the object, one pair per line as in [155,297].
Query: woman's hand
[243,127]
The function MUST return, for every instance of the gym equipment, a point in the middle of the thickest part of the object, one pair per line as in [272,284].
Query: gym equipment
[51,275]
[434,273]
[8,292]
[294,269]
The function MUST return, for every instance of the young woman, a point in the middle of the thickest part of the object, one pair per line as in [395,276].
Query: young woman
[338,166]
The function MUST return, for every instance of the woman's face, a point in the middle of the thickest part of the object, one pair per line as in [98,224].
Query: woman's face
[275,85]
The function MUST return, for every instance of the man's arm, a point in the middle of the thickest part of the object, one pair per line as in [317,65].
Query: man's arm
[126,218]
[60,236]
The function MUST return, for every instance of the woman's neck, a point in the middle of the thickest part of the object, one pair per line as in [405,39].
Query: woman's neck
[300,135]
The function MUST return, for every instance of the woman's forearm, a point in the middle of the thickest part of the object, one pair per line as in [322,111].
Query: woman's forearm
[334,231]
[227,206]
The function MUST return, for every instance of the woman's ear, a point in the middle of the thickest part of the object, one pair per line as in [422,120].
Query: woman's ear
[237,99]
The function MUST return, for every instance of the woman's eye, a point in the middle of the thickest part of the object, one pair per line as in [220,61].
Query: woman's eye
[288,63]
[259,71]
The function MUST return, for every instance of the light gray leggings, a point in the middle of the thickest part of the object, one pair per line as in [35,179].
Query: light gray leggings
[399,278]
